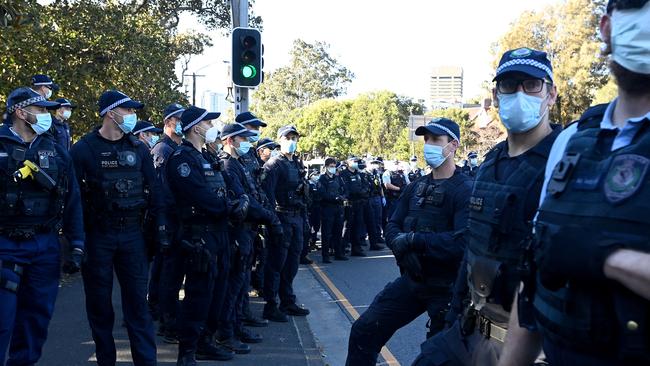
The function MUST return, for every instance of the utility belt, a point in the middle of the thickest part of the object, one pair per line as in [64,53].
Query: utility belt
[120,222]
[288,211]
[332,204]
[195,229]
[26,232]
[473,320]
[15,267]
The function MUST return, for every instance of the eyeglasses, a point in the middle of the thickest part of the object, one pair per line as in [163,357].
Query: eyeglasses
[510,86]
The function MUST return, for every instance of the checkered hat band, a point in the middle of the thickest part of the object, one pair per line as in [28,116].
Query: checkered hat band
[174,112]
[25,103]
[528,62]
[195,121]
[453,135]
[143,130]
[123,100]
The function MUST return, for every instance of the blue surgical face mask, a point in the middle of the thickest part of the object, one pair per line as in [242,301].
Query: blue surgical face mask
[255,138]
[153,140]
[520,112]
[433,155]
[331,170]
[243,148]
[631,39]
[178,130]
[128,122]
[288,146]
[43,122]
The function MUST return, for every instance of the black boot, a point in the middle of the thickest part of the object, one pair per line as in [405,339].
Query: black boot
[235,345]
[247,336]
[272,313]
[208,350]
[186,359]
[295,310]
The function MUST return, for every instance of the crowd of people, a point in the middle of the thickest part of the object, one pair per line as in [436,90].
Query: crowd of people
[545,245]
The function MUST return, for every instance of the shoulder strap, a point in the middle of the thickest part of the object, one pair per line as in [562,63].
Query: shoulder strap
[592,117]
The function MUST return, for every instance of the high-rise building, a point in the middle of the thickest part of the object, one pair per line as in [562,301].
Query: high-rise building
[214,102]
[446,85]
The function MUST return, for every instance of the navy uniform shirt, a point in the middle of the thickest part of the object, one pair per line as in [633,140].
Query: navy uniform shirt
[87,168]
[276,172]
[328,196]
[73,213]
[61,132]
[161,152]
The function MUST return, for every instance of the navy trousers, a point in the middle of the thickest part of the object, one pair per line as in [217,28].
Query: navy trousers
[283,261]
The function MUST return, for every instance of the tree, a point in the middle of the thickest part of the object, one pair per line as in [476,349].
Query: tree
[312,74]
[324,125]
[90,46]
[568,32]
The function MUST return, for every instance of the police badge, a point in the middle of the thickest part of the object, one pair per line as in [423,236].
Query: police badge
[184,170]
[625,177]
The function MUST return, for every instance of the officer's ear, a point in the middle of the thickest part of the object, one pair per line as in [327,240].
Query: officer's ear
[454,145]
[495,100]
[606,33]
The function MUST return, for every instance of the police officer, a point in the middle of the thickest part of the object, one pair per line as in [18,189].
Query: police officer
[39,196]
[146,132]
[395,180]
[169,260]
[43,85]
[358,192]
[331,190]
[425,234]
[60,127]
[118,183]
[414,172]
[593,287]
[503,204]
[314,209]
[374,208]
[282,185]
[470,166]
[231,331]
[201,192]
[266,149]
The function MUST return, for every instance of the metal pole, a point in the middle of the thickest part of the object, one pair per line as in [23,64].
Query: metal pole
[193,88]
[240,19]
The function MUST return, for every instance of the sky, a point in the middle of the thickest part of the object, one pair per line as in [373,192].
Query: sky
[388,45]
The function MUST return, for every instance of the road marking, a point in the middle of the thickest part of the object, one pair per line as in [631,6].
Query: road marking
[341,299]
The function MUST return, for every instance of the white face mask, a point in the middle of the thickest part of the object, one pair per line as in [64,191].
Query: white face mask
[66,114]
[631,39]
[48,93]
[288,146]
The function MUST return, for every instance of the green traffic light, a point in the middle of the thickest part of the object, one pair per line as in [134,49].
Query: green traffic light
[248,71]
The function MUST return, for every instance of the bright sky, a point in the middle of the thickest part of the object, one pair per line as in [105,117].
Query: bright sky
[387,44]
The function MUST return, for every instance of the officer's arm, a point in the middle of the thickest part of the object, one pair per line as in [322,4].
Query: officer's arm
[190,186]
[394,226]
[152,180]
[73,224]
[235,180]
[78,153]
[631,268]
[385,178]
[521,345]
[448,245]
[271,180]
[459,292]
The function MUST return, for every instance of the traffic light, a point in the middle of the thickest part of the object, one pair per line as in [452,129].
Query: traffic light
[247,59]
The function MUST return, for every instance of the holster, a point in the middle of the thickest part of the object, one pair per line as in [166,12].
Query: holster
[198,257]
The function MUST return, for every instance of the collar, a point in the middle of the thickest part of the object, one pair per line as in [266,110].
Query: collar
[542,148]
[608,124]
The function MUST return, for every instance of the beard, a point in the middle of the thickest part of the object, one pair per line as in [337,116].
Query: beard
[631,82]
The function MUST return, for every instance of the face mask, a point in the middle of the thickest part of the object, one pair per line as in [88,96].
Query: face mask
[331,170]
[288,146]
[153,140]
[243,148]
[66,114]
[128,122]
[520,112]
[631,39]
[48,93]
[413,165]
[473,162]
[178,130]
[275,153]
[354,166]
[314,178]
[43,122]
[433,154]
[255,138]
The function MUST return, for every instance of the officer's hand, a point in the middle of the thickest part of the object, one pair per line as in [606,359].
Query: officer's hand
[73,265]
[239,208]
[383,201]
[401,244]
[410,263]
[163,240]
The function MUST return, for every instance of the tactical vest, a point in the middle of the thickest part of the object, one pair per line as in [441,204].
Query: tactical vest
[415,174]
[375,184]
[287,192]
[498,227]
[254,176]
[355,184]
[429,212]
[396,179]
[607,192]
[334,187]
[30,204]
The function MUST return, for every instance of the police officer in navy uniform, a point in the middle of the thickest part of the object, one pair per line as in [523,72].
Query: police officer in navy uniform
[425,234]
[331,190]
[118,183]
[281,184]
[39,197]
[43,85]
[266,149]
[200,188]
[591,295]
[503,204]
[169,260]
[146,132]
[60,127]
[358,193]
[395,180]
[374,207]
[414,171]
[236,144]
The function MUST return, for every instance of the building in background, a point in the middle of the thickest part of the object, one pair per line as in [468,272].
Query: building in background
[214,102]
[446,88]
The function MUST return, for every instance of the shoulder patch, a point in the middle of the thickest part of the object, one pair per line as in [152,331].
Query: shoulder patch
[625,176]
[184,170]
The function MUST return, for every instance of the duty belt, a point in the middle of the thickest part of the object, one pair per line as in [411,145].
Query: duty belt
[490,330]
[285,210]
[24,232]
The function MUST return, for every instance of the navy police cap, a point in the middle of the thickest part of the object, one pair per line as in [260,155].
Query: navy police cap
[145,126]
[44,80]
[625,4]
[267,143]
[235,129]
[194,115]
[526,60]
[173,110]
[440,127]
[112,99]
[24,97]
[63,102]
[285,130]
[248,118]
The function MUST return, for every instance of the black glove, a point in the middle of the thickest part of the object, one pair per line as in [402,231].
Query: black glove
[410,263]
[239,208]
[73,265]
[401,244]
[163,239]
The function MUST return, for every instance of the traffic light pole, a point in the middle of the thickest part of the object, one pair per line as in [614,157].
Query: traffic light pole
[240,19]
